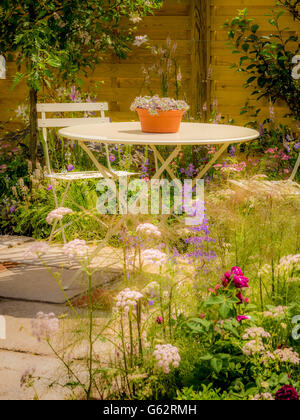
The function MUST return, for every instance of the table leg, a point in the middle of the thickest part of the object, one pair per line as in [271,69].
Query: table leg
[211,162]
[165,163]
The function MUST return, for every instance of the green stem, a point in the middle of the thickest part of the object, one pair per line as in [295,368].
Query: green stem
[90,337]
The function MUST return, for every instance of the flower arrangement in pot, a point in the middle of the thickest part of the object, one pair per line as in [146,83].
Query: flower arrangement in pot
[159,115]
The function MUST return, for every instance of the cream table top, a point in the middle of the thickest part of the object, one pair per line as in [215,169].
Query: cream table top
[130,133]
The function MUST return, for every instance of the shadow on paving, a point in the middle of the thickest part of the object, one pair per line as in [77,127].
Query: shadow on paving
[26,283]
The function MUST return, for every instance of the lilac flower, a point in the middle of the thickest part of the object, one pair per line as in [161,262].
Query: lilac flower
[297,146]
[151,302]
[49,187]
[70,167]
[261,129]
[13,208]
[73,93]
[112,158]
[232,151]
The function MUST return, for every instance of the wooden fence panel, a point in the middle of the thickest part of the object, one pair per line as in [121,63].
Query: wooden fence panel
[205,60]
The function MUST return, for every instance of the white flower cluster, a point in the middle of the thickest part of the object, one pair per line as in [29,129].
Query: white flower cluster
[140,40]
[166,355]
[265,396]
[287,355]
[256,332]
[289,262]
[154,256]
[77,248]
[253,347]
[128,299]
[275,312]
[37,249]
[155,104]
[44,326]
[149,230]
[58,214]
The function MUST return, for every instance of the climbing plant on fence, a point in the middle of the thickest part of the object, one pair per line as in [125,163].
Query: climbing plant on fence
[63,37]
[268,60]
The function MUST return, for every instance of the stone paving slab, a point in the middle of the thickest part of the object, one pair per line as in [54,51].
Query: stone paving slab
[54,258]
[12,367]
[8,241]
[33,283]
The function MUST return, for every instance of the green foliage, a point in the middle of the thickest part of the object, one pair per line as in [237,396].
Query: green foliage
[206,394]
[66,36]
[266,59]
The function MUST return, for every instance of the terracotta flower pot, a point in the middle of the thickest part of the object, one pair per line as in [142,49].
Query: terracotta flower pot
[164,122]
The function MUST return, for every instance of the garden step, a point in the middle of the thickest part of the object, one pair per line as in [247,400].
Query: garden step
[8,241]
[35,283]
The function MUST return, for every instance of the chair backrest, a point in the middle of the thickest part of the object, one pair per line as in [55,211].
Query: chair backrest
[56,122]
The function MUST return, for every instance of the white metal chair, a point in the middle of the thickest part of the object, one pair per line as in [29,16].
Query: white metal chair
[45,123]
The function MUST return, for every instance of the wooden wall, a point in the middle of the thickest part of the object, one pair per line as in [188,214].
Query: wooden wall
[196,26]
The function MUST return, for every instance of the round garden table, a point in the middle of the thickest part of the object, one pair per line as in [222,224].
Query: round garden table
[129,133]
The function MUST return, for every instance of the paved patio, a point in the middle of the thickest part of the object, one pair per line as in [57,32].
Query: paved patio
[26,288]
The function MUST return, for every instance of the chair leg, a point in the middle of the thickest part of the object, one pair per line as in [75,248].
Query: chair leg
[57,206]
[292,177]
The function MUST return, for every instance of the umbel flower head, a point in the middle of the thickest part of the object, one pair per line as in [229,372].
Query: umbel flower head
[287,393]
[128,299]
[148,230]
[58,214]
[76,249]
[166,355]
[44,326]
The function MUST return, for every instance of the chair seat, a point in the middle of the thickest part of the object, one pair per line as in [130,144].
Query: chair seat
[73,176]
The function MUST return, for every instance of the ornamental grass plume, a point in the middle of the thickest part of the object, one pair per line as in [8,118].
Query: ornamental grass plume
[287,393]
[167,355]
[58,214]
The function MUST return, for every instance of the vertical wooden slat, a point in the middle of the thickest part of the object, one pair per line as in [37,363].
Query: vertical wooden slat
[200,54]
